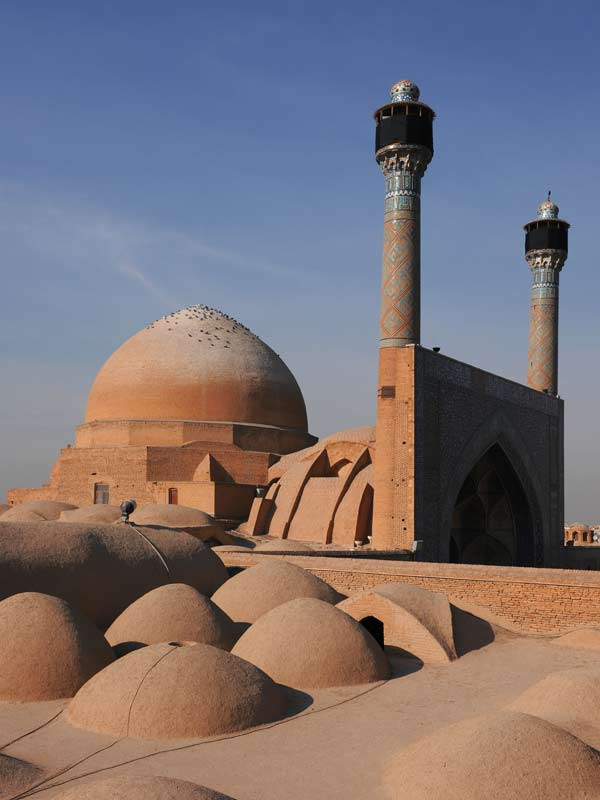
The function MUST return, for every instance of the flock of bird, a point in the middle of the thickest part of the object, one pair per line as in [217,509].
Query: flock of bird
[201,312]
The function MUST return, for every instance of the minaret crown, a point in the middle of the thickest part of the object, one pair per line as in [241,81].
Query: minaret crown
[404,92]
[547,209]
[546,250]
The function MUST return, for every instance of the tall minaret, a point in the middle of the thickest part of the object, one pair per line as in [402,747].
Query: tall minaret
[546,249]
[403,149]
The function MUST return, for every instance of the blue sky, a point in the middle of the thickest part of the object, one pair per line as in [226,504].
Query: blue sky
[162,154]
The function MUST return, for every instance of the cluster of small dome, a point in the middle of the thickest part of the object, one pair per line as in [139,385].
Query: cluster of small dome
[79,560]
[200,655]
[175,517]
[35,511]
[265,634]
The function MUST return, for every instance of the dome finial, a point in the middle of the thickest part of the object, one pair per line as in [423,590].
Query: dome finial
[404,92]
[548,209]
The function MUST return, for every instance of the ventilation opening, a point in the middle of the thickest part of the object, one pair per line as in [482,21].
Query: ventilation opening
[375,628]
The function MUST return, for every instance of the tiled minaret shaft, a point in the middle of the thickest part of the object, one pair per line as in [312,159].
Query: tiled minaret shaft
[400,316]
[403,149]
[546,249]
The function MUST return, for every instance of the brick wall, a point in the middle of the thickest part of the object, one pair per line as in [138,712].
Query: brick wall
[78,470]
[436,418]
[394,500]
[460,412]
[145,474]
[529,600]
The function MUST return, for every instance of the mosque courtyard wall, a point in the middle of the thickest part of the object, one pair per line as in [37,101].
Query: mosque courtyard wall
[527,600]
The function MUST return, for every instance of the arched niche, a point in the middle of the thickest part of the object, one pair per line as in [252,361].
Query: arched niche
[491,521]
[375,627]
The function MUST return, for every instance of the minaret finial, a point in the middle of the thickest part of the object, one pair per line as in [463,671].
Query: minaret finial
[548,209]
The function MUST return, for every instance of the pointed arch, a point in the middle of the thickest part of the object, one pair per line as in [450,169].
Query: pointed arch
[511,464]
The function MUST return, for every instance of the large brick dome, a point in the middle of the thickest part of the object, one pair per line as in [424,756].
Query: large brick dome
[197,364]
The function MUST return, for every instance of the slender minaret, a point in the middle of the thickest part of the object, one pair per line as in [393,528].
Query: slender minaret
[546,249]
[403,149]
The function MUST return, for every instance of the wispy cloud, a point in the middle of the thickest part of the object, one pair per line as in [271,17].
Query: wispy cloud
[137,274]
[94,239]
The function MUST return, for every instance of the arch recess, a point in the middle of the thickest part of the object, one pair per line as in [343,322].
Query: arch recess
[510,489]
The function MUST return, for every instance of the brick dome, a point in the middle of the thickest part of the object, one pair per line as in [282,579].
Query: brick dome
[49,649]
[497,755]
[197,364]
[172,612]
[258,589]
[310,644]
[173,691]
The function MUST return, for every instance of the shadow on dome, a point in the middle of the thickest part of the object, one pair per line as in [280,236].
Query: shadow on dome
[470,632]
[402,662]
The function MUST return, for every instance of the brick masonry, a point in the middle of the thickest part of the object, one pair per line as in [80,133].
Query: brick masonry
[145,459]
[436,422]
[394,498]
[527,600]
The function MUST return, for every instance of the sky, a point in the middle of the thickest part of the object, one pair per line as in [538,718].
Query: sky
[156,155]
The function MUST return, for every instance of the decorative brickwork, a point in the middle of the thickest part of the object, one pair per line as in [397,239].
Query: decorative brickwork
[400,318]
[542,371]
[400,278]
